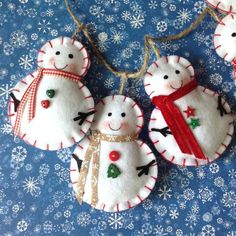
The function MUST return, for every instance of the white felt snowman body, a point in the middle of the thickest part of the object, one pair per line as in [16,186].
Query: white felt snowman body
[63,108]
[223,5]
[116,116]
[204,112]
[225,38]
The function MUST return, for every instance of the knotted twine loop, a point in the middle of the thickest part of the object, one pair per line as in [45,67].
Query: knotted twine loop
[148,41]
[93,154]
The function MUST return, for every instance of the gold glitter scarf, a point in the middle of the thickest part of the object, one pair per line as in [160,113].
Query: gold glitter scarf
[93,152]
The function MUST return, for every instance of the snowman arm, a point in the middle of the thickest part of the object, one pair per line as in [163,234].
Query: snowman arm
[145,169]
[78,161]
[164,131]
[82,116]
[16,101]
[220,107]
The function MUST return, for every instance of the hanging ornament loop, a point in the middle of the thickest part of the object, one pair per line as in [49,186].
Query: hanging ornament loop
[148,41]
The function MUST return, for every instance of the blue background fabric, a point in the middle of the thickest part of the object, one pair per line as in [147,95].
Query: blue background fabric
[36,196]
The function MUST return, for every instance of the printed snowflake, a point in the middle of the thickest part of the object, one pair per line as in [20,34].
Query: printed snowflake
[64,155]
[229,199]
[5,90]
[26,62]
[137,21]
[44,26]
[18,39]
[6,128]
[208,230]
[22,226]
[174,214]
[165,192]
[161,26]
[205,194]
[153,4]
[30,185]
[116,221]
[83,219]
[184,16]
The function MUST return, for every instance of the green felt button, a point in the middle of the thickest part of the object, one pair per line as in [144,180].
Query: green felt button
[50,93]
[113,171]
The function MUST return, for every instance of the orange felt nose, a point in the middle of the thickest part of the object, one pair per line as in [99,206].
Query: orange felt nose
[114,155]
[45,103]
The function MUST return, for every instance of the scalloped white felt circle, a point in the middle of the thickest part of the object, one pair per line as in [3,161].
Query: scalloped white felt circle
[127,190]
[223,5]
[66,54]
[225,38]
[213,133]
[53,126]
[157,80]
[114,115]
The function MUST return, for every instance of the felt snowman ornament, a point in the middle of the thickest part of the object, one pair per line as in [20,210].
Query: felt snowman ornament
[113,170]
[50,108]
[191,125]
[223,5]
[225,39]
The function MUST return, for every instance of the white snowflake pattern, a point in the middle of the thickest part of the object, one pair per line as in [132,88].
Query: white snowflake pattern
[26,62]
[137,21]
[165,192]
[30,185]
[116,221]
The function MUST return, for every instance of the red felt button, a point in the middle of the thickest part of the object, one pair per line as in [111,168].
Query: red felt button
[114,155]
[45,103]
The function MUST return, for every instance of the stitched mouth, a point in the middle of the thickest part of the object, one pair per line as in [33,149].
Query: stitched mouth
[177,87]
[60,68]
[115,129]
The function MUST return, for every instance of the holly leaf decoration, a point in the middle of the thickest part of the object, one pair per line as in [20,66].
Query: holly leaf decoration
[113,171]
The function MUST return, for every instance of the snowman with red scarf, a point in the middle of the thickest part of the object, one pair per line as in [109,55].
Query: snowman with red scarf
[50,108]
[191,125]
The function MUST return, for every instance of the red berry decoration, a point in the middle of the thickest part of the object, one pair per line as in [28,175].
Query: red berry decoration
[114,155]
[45,103]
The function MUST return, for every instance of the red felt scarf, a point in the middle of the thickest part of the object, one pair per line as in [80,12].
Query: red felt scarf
[31,93]
[176,122]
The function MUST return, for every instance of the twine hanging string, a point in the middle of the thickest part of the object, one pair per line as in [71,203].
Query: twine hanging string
[124,75]
[149,41]
[192,27]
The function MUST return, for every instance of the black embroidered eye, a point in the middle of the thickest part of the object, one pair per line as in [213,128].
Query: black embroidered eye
[70,56]
[233,34]
[177,71]
[123,114]
[166,77]
[109,114]
[58,53]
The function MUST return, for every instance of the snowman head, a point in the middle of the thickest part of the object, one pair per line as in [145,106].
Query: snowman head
[65,54]
[118,115]
[225,38]
[167,74]
[223,5]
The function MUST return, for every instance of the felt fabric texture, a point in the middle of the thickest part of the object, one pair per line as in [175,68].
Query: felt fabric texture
[225,38]
[199,109]
[223,5]
[118,115]
[58,99]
